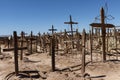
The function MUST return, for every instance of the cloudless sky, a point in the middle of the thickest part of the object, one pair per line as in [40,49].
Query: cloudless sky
[40,15]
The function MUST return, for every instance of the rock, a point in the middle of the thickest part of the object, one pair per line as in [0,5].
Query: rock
[1,57]
[43,75]
[25,59]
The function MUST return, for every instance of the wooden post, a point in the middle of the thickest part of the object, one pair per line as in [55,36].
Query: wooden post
[0,49]
[31,35]
[39,39]
[21,56]
[53,53]
[78,40]
[103,35]
[36,43]
[107,40]
[16,53]
[115,34]
[27,40]
[9,42]
[71,23]
[90,45]
[83,52]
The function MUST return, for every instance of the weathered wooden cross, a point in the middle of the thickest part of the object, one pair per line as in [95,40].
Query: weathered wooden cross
[52,48]
[15,49]
[31,41]
[103,27]
[52,29]
[71,25]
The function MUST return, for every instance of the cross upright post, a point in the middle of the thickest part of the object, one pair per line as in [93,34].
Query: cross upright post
[103,34]
[71,26]
[22,35]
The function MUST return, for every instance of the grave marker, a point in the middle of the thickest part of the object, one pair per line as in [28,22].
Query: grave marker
[71,25]
[52,48]
[15,49]
[103,27]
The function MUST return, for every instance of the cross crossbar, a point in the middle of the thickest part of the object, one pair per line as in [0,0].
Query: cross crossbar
[12,49]
[100,25]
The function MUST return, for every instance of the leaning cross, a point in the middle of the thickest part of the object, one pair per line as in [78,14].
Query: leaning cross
[103,27]
[71,23]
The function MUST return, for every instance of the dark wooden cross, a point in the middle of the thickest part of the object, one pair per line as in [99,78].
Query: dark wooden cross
[103,27]
[52,48]
[15,49]
[52,29]
[71,25]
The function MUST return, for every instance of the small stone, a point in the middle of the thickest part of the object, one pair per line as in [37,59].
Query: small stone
[1,56]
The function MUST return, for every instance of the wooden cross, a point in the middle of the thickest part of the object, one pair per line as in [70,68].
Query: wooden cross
[15,49]
[52,49]
[31,40]
[52,29]
[71,25]
[103,27]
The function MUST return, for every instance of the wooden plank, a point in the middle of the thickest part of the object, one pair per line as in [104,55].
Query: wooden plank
[102,25]
[8,49]
[70,22]
[23,48]
[11,49]
[91,43]
[22,36]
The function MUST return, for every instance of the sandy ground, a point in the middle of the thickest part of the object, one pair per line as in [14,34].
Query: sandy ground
[68,66]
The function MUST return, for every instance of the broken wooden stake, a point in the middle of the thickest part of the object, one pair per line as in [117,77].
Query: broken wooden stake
[16,53]
[83,52]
